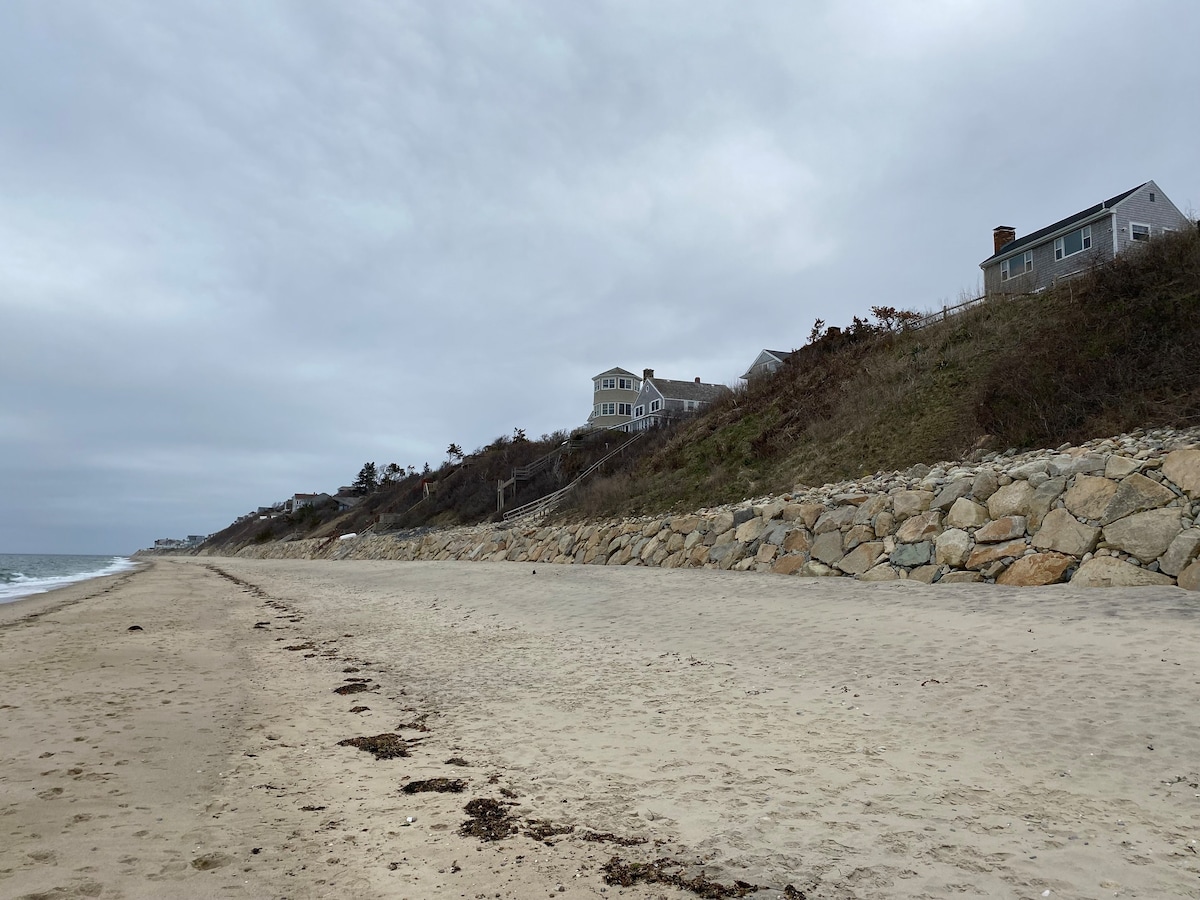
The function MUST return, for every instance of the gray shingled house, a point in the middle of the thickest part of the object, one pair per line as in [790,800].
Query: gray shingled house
[1072,245]
[663,399]
[765,363]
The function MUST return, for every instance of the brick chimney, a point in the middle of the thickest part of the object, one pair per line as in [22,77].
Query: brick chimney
[647,373]
[1002,235]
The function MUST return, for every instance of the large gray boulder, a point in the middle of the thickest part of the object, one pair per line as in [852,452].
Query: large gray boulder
[966,514]
[1135,493]
[1089,496]
[1108,571]
[1183,468]
[1011,500]
[1146,535]
[1063,533]
[952,548]
[1181,552]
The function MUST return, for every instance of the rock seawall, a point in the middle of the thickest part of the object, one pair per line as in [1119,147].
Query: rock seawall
[1122,511]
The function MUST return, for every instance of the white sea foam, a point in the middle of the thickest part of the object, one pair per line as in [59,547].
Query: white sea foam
[24,574]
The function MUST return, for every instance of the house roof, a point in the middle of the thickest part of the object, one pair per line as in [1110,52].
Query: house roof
[1037,237]
[686,390]
[780,355]
[616,371]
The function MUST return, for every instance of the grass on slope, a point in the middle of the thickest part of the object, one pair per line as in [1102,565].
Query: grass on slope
[1115,349]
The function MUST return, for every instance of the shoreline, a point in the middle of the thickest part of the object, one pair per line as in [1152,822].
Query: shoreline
[850,740]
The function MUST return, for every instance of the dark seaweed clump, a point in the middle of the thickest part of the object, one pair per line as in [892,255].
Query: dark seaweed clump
[384,746]
[670,871]
[438,785]
[490,820]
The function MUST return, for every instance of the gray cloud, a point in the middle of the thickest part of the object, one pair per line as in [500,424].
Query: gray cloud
[245,247]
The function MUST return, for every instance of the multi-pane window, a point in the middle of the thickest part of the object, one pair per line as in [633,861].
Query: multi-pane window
[625,384]
[624,409]
[639,410]
[1018,265]
[655,405]
[606,384]
[606,409]
[1075,242]
[1139,232]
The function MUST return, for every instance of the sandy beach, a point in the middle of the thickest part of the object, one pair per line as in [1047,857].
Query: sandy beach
[815,737]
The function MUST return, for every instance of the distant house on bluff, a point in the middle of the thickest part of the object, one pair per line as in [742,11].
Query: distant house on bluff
[1072,245]
[663,399]
[622,400]
[766,362]
[613,396]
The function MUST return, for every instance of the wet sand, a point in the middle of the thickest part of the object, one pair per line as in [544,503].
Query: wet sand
[848,740]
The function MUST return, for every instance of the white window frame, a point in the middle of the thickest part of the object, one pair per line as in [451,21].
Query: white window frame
[608,384]
[639,410]
[624,409]
[1133,235]
[1024,265]
[655,405]
[1085,242]
[625,384]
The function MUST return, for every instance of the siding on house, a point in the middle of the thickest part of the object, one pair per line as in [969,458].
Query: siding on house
[766,362]
[615,398]
[1119,211]
[1160,214]
[676,398]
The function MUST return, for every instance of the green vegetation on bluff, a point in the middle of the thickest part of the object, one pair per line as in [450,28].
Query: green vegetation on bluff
[1114,349]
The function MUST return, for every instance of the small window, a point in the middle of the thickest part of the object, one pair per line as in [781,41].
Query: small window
[607,384]
[639,410]
[1018,265]
[1075,242]
[625,384]
[624,409]
[655,405]
[1139,232]
[1152,196]
[608,409]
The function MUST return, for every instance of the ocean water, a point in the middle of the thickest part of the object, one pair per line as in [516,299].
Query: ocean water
[22,574]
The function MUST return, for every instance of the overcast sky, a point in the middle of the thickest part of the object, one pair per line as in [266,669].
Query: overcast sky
[247,246]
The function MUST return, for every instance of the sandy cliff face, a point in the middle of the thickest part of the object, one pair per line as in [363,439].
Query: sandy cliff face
[1121,511]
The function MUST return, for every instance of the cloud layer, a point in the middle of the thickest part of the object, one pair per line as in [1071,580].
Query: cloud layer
[246,247]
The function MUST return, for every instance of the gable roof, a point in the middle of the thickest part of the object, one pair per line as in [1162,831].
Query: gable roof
[686,390]
[1038,236]
[764,356]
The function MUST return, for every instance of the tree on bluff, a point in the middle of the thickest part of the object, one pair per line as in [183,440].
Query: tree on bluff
[368,479]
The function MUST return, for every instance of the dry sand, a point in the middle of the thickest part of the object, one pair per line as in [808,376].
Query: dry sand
[849,740]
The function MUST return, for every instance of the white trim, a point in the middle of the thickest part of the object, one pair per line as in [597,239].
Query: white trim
[1025,264]
[1116,237]
[1085,243]
[1146,225]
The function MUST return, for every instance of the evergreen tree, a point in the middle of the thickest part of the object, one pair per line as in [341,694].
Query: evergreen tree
[368,479]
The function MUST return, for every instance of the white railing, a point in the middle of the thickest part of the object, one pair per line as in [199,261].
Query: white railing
[548,502]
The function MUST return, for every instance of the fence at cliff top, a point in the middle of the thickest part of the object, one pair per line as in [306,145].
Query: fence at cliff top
[945,312]
[548,502]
